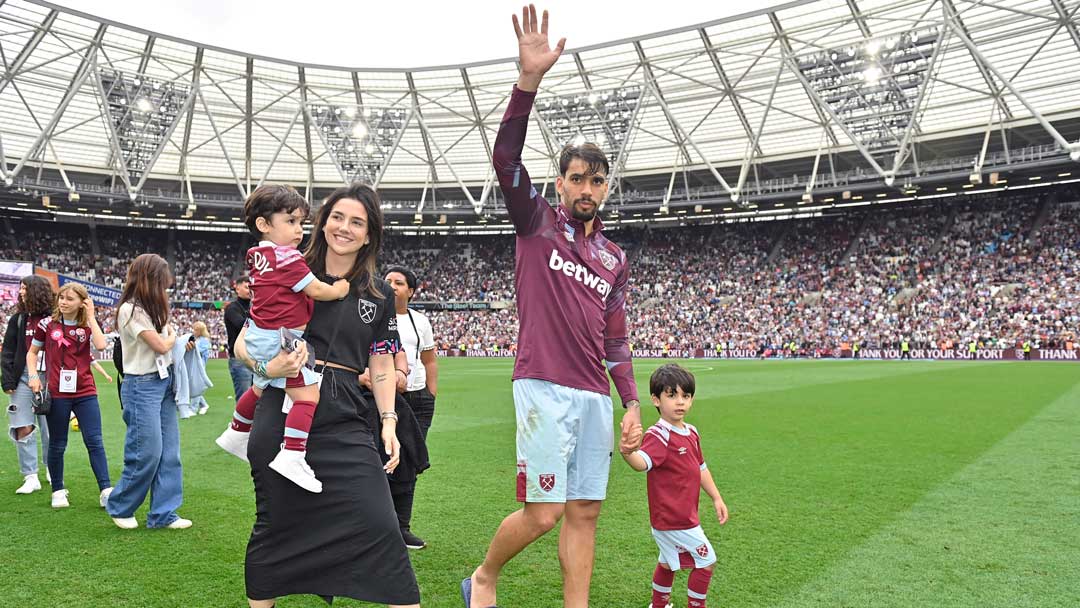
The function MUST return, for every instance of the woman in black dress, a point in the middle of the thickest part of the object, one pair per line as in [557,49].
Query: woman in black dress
[344,541]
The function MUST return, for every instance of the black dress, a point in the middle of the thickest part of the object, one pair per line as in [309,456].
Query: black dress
[344,541]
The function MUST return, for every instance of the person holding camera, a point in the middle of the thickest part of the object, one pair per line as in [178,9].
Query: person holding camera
[35,303]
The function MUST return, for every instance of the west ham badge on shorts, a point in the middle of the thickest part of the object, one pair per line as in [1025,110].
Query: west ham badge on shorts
[547,481]
[367,311]
[607,259]
[703,550]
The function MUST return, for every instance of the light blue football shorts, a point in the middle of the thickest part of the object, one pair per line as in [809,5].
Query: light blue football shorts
[564,442]
[265,344]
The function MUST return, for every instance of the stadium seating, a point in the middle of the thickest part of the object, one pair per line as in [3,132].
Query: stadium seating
[997,268]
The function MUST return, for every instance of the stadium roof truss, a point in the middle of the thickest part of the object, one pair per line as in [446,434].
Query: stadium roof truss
[805,79]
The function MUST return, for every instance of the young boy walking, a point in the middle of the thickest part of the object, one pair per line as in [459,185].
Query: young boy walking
[671,455]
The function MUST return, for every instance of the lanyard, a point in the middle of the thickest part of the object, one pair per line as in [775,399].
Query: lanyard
[61,345]
[415,331]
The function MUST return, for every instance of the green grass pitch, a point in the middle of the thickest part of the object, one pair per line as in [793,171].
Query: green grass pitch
[850,484]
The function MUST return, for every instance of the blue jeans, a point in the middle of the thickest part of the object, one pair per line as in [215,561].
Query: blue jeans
[241,377]
[151,451]
[20,414]
[89,414]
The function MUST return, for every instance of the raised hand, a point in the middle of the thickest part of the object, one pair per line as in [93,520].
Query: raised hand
[534,51]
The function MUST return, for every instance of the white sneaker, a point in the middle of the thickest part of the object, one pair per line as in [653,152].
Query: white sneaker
[31,483]
[103,498]
[59,499]
[234,442]
[180,524]
[126,523]
[291,465]
[203,409]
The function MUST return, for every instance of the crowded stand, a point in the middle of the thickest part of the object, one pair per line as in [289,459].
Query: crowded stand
[995,269]
[932,275]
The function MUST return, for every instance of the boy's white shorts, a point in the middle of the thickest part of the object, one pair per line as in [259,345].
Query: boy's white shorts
[692,541]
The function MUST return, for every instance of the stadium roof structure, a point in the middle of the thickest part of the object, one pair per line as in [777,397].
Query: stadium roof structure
[779,106]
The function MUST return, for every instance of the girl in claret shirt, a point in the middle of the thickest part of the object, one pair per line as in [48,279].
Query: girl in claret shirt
[65,338]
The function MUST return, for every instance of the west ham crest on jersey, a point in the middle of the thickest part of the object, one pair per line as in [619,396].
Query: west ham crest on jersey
[608,259]
[547,481]
[367,311]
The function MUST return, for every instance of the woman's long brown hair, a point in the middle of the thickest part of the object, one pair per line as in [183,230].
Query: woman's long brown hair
[315,256]
[147,279]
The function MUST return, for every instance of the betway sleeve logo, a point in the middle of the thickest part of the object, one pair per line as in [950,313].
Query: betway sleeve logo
[579,273]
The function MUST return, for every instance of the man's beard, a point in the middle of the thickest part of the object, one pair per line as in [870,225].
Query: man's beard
[582,215]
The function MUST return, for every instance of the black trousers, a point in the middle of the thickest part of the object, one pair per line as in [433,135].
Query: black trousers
[423,406]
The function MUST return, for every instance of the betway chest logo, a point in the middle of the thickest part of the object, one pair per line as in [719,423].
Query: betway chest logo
[579,273]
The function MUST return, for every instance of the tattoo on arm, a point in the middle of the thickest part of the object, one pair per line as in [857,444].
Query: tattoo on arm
[379,378]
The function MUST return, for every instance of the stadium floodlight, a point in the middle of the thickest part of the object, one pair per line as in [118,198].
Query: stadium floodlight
[603,117]
[359,139]
[874,88]
[975,178]
[141,113]
[73,196]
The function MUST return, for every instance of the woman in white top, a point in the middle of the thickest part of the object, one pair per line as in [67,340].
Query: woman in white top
[152,443]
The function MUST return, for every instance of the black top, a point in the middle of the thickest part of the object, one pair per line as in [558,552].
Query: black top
[365,326]
[344,541]
[236,314]
[14,351]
